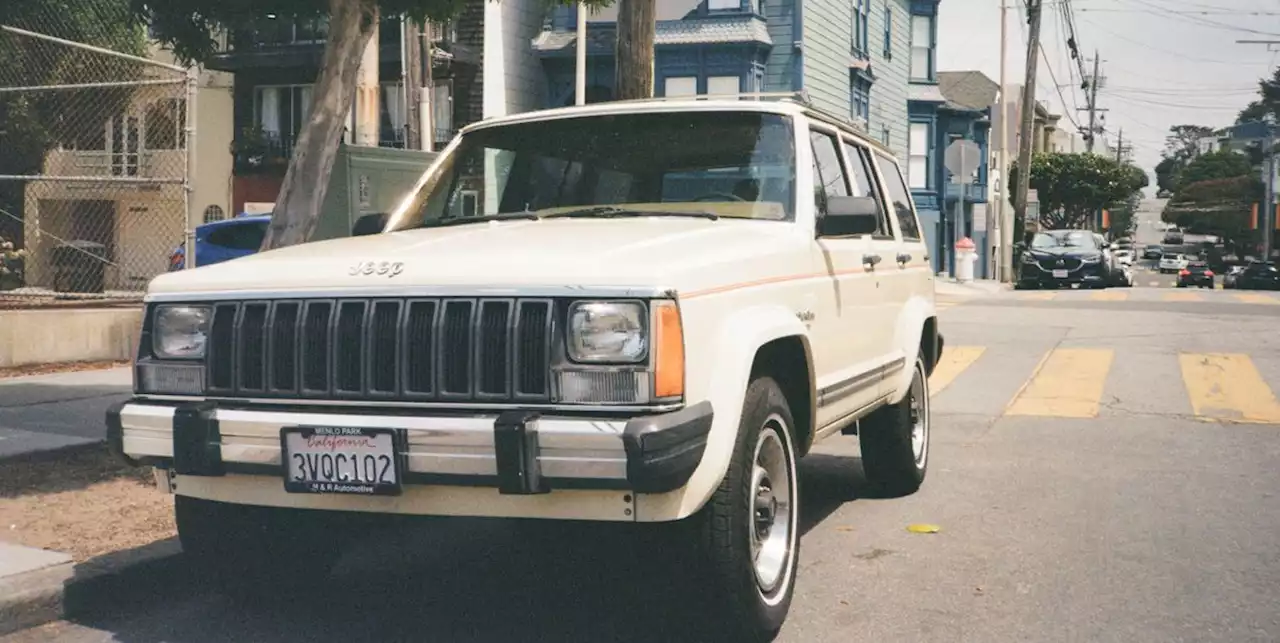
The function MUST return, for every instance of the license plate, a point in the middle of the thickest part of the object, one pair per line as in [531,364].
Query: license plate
[341,460]
[1059,274]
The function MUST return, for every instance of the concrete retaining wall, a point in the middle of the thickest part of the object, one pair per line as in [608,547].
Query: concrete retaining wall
[68,335]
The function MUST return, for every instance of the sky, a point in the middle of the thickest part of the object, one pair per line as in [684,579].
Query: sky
[1163,62]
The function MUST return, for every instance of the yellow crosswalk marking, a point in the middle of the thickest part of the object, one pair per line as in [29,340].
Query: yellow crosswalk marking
[1182,296]
[1109,295]
[954,362]
[1068,383]
[1256,298]
[1039,296]
[1227,386]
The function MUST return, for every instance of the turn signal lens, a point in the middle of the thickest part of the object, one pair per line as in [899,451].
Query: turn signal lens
[668,346]
[1208,273]
[1185,273]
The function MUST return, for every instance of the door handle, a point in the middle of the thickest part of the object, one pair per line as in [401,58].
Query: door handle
[870,260]
[903,258]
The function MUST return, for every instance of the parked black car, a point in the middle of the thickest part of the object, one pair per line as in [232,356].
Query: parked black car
[1057,258]
[1196,274]
[1259,276]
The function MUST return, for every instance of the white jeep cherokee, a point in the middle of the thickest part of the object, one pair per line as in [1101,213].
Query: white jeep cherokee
[637,311]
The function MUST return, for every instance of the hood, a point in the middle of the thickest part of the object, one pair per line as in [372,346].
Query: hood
[673,252]
[1060,251]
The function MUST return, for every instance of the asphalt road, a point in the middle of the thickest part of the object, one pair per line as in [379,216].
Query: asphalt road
[1103,469]
[50,411]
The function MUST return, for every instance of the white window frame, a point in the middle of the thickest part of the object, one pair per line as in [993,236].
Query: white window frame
[737,84]
[925,49]
[666,85]
[918,139]
[724,5]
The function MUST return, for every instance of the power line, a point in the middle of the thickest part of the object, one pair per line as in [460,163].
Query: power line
[1171,52]
[1213,24]
[1178,105]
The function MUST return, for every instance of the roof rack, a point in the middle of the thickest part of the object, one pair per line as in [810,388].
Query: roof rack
[800,97]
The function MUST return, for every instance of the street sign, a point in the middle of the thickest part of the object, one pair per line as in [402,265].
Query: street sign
[962,158]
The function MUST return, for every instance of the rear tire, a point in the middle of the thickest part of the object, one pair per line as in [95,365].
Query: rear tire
[746,538]
[895,439]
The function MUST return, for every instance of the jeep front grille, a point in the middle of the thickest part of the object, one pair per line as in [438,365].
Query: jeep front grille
[436,349]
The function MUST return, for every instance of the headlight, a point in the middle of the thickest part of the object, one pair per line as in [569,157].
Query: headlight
[1027,258]
[1093,258]
[608,332]
[180,332]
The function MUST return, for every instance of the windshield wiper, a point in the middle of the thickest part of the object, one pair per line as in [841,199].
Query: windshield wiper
[501,216]
[609,211]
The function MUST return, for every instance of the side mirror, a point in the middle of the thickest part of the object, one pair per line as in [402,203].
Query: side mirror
[369,224]
[849,216]
[1106,245]
[1019,248]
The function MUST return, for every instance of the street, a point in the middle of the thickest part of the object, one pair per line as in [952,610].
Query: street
[1103,469]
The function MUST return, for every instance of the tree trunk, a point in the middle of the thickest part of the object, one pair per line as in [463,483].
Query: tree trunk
[634,68]
[351,24]
[411,32]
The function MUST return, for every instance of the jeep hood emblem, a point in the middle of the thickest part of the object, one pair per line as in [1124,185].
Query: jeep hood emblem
[386,269]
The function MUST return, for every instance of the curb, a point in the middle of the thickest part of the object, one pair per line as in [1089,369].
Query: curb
[52,592]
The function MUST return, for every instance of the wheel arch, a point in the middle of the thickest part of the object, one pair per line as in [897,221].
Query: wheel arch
[764,339]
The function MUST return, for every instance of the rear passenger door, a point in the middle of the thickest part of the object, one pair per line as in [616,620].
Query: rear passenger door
[908,273]
[849,346]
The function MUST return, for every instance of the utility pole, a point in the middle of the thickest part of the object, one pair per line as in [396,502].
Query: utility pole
[1004,224]
[1093,105]
[1120,146]
[1028,113]
[1267,213]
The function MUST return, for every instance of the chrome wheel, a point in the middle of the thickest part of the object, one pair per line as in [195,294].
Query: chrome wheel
[772,510]
[919,418]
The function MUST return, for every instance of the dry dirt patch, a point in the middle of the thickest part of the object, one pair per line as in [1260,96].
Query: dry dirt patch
[58,367]
[84,503]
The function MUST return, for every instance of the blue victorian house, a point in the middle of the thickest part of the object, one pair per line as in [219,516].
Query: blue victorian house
[946,107]
[850,57]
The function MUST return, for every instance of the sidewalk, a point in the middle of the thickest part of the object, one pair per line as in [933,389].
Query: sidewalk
[947,286]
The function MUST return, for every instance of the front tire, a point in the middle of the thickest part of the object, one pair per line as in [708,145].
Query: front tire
[748,532]
[895,439]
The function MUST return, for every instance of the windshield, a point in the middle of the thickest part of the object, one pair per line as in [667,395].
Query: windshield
[1064,239]
[721,163]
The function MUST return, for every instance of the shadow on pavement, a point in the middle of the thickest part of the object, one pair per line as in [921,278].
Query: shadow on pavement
[457,581]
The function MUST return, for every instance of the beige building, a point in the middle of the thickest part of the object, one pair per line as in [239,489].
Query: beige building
[98,188]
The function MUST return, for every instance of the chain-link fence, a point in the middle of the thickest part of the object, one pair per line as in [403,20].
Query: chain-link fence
[94,132]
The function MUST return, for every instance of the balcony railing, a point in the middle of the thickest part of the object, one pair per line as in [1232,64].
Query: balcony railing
[279,32]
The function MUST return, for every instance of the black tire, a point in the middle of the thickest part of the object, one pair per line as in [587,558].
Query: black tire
[250,552]
[739,609]
[888,455]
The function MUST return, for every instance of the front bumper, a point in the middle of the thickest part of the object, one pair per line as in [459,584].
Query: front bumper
[515,452]
[1086,274]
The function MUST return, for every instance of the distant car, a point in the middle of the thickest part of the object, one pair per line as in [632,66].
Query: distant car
[1197,274]
[1058,258]
[1124,257]
[1258,276]
[224,240]
[1152,252]
[1171,262]
[1229,279]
